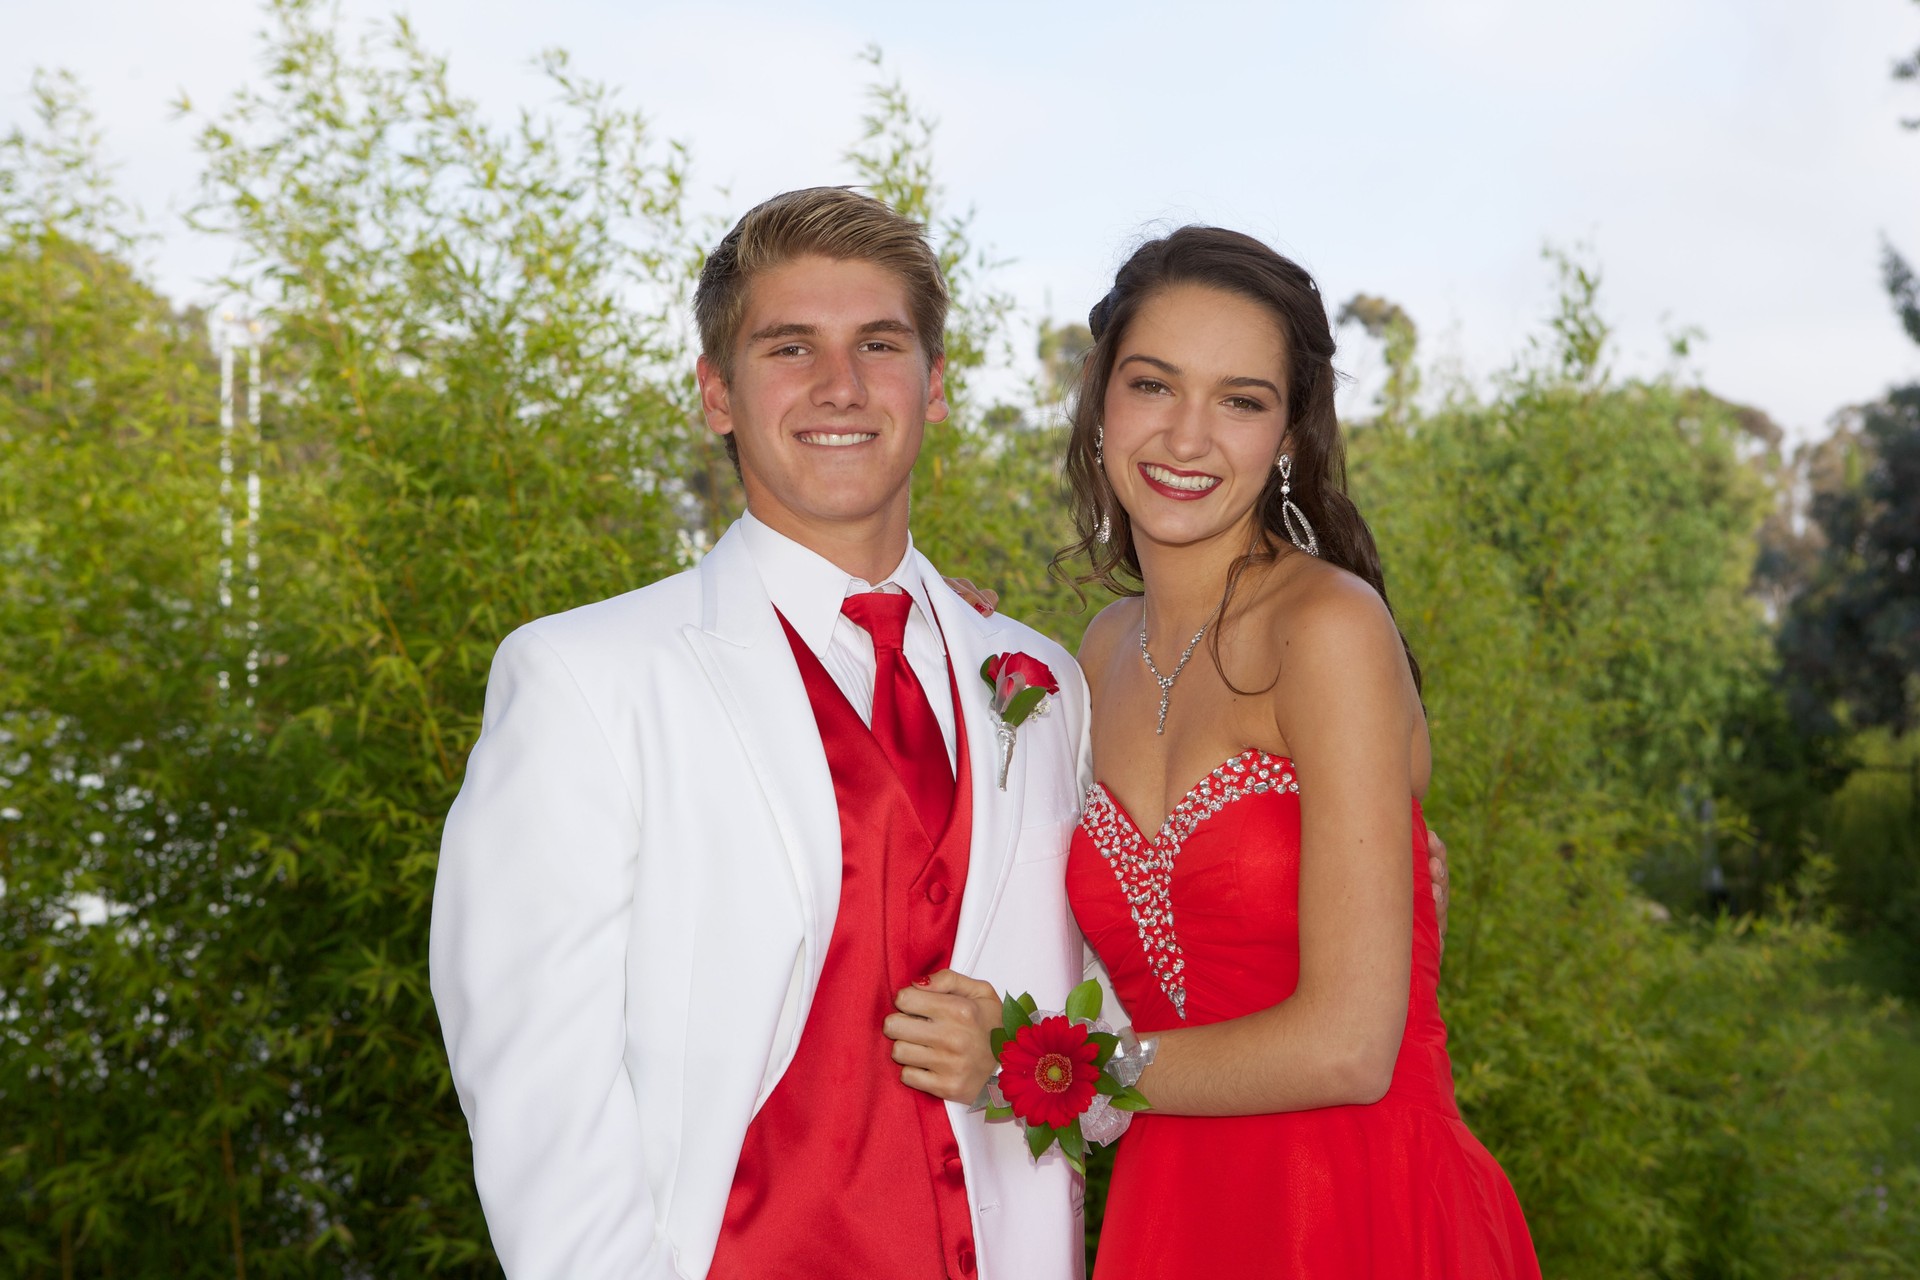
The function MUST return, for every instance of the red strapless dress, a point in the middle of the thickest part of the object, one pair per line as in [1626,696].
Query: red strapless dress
[1200,924]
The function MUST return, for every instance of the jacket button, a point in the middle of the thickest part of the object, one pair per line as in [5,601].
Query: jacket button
[956,1170]
[965,1258]
[936,893]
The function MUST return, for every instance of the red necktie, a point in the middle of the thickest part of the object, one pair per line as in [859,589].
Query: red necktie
[903,720]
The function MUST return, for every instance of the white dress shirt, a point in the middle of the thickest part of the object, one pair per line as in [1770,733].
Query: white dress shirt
[808,590]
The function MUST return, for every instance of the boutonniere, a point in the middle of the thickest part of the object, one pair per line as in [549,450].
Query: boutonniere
[1021,684]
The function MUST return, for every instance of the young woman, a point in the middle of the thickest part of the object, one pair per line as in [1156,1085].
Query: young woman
[1271,925]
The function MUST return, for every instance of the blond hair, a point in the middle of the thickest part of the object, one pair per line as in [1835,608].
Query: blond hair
[830,222]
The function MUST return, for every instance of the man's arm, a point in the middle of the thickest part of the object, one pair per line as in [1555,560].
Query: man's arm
[531,913]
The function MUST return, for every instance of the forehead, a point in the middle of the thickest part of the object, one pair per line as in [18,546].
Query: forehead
[1208,332]
[826,293]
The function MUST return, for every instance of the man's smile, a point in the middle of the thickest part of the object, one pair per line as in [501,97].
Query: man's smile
[836,439]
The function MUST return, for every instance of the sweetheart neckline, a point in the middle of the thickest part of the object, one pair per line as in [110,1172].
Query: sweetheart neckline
[1160,833]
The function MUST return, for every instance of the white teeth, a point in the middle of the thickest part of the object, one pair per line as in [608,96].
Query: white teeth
[1193,484]
[835,440]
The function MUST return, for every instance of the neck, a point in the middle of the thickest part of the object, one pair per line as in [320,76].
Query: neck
[1185,582]
[868,548]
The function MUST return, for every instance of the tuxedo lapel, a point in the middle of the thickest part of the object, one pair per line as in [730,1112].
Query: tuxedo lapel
[996,813]
[745,653]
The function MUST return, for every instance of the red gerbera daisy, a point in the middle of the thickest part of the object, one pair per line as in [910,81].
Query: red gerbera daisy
[1047,1072]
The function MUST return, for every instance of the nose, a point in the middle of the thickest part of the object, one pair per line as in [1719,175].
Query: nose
[1188,436]
[838,383]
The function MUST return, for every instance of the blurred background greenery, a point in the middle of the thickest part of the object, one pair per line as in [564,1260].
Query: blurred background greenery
[1672,669]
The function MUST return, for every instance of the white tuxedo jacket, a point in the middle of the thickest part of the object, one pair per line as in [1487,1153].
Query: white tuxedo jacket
[636,889]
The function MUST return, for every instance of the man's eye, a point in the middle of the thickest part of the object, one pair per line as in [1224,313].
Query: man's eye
[791,349]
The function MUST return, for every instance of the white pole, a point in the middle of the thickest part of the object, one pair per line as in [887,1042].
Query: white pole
[225,345]
[253,510]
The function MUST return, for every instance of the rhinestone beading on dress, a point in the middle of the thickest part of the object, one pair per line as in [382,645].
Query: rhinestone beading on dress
[1144,867]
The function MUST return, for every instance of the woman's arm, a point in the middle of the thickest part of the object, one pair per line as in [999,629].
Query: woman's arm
[1345,705]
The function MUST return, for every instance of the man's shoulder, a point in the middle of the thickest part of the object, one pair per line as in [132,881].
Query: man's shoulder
[653,614]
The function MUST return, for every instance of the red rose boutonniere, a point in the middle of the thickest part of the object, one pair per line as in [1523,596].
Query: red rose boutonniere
[1053,1076]
[1021,685]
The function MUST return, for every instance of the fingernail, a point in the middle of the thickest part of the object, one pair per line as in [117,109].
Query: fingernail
[923,981]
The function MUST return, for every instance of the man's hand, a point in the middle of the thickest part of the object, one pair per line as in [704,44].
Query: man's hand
[1442,886]
[942,1035]
[983,600]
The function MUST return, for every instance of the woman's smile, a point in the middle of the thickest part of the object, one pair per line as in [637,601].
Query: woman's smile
[1181,486]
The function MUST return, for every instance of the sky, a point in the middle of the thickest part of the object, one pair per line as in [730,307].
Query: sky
[1730,166]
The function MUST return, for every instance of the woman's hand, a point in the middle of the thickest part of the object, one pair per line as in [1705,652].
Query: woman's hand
[942,1035]
[984,601]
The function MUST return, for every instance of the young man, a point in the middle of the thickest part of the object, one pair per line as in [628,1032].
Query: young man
[715,830]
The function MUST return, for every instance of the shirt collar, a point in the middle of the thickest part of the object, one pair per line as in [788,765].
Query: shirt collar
[808,589]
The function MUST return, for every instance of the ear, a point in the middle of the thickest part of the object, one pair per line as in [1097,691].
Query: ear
[937,408]
[715,402]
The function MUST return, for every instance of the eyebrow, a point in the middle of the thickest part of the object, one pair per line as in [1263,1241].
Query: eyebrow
[1176,371]
[796,330]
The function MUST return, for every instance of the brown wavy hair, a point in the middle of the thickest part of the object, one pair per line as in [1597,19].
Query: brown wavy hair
[1240,265]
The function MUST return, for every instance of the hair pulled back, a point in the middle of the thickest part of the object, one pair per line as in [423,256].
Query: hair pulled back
[1241,265]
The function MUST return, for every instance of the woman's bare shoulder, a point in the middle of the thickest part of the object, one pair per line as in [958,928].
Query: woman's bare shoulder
[1326,622]
[1109,628]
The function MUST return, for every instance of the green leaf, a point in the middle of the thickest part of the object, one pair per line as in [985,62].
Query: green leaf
[1106,1042]
[1131,1099]
[983,672]
[1074,1147]
[1013,1016]
[1028,1004]
[1083,1002]
[999,1113]
[1108,1086]
[999,1037]
[1023,704]
[1072,1142]
[1039,1138]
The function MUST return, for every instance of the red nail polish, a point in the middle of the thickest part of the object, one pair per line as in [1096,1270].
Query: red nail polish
[923,981]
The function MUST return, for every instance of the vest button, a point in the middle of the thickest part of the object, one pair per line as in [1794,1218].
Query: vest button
[956,1170]
[936,893]
[964,1257]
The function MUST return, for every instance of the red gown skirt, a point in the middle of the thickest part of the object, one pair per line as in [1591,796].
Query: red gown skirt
[1203,918]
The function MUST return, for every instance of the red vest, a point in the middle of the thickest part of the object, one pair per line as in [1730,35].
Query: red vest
[846,1171]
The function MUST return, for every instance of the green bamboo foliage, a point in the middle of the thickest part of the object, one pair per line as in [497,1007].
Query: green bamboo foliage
[217,1052]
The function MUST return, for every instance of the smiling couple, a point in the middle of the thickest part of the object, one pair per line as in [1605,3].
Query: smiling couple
[744,859]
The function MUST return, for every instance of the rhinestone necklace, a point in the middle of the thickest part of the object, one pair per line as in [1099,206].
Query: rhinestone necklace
[1166,682]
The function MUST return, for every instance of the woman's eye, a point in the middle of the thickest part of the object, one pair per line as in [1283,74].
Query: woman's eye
[1246,404]
[1152,386]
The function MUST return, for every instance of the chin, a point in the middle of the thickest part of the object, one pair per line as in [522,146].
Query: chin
[1188,533]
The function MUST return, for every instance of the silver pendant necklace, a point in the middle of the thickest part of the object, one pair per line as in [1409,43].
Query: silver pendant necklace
[1166,682]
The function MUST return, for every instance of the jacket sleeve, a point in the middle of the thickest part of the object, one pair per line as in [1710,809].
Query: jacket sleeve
[531,911]
[1091,965]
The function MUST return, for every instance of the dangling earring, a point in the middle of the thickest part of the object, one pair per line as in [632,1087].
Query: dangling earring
[1104,534]
[1291,515]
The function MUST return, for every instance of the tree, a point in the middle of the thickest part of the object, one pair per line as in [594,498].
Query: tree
[1395,330]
